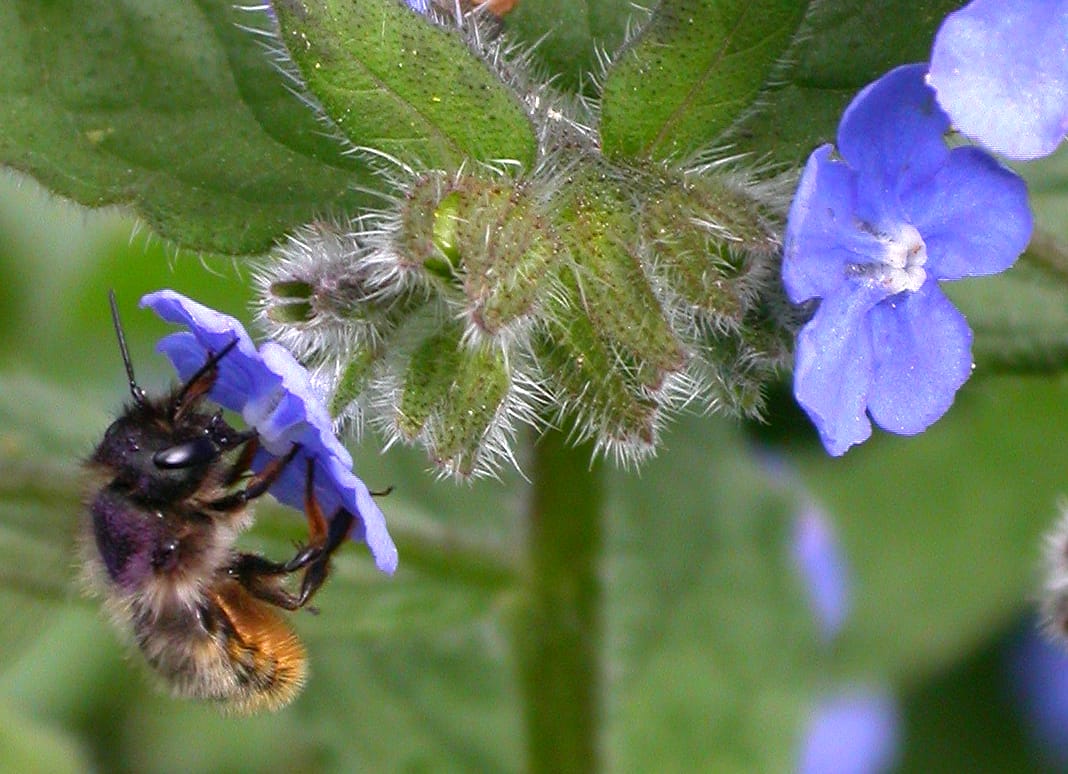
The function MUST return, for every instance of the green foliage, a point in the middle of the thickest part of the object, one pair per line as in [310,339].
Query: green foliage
[169,107]
[695,68]
[566,34]
[715,648]
[395,84]
[946,525]
[843,46]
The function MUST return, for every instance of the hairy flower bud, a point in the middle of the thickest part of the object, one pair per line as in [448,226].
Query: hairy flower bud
[601,299]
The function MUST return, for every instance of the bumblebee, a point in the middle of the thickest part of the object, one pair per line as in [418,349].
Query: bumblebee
[172,485]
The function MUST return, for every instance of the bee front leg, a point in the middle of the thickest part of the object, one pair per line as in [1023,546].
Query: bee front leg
[243,462]
[324,537]
[257,485]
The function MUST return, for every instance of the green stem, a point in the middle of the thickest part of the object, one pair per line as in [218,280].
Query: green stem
[558,638]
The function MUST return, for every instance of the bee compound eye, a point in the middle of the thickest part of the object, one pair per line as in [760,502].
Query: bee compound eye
[199,451]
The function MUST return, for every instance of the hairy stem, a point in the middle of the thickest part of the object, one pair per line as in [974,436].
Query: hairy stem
[559,629]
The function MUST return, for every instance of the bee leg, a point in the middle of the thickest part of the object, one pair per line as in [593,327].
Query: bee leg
[318,527]
[199,384]
[319,567]
[262,579]
[243,461]
[323,539]
[257,485]
[226,437]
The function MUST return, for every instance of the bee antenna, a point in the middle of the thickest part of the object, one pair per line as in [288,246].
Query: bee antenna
[137,392]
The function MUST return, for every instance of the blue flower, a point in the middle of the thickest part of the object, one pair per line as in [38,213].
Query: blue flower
[852,732]
[1038,674]
[874,226]
[273,393]
[821,564]
[1000,70]
[852,729]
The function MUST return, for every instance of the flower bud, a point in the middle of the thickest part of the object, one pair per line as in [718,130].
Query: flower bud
[452,400]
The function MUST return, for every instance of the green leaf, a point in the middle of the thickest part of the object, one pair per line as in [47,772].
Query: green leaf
[712,647]
[694,69]
[41,437]
[951,718]
[170,107]
[564,35]
[1019,318]
[401,86]
[843,46]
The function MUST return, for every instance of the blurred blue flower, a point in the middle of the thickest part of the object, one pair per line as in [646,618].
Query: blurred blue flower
[1000,70]
[875,224]
[273,393]
[422,6]
[822,566]
[1038,673]
[852,729]
[852,732]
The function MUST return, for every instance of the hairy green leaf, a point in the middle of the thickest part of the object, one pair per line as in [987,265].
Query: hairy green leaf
[692,72]
[174,108]
[396,84]
[565,34]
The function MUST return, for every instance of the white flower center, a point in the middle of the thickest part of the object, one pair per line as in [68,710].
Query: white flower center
[900,266]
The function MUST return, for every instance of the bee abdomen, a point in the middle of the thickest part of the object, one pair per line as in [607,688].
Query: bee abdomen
[245,657]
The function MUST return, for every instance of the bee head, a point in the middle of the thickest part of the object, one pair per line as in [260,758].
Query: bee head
[162,450]
[157,462]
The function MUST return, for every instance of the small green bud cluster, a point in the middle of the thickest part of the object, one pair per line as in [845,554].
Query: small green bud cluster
[596,297]
[583,293]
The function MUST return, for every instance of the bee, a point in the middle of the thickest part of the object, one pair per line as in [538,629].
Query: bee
[172,486]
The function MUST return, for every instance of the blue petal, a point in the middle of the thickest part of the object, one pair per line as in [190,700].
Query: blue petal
[1000,69]
[974,216]
[822,237]
[892,134]
[1039,672]
[833,367]
[822,565]
[214,329]
[234,384]
[923,355]
[855,732]
[275,396]
[336,487]
[242,379]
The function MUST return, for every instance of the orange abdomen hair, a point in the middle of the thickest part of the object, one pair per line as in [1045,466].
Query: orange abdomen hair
[268,662]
